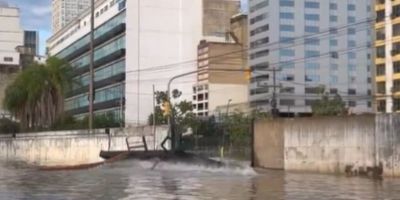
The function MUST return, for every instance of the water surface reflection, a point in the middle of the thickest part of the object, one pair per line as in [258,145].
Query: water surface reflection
[134,180]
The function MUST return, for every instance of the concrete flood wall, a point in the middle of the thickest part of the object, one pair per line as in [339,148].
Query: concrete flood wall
[352,145]
[73,147]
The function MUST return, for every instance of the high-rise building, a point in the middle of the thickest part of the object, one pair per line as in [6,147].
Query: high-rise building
[64,11]
[313,47]
[11,37]
[387,73]
[31,41]
[138,44]
[218,89]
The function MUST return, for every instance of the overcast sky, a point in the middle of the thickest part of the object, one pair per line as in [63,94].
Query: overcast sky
[36,15]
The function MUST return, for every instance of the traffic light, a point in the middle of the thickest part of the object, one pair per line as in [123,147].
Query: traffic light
[166,108]
[247,74]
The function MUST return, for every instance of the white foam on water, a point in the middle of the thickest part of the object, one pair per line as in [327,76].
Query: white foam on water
[230,167]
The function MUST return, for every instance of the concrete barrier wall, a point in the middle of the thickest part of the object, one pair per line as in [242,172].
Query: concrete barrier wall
[72,147]
[269,144]
[388,143]
[331,144]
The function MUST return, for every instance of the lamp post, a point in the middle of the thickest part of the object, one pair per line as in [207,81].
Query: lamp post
[224,132]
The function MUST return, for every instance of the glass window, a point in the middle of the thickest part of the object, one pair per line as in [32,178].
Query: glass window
[312,66]
[312,78]
[333,6]
[286,3]
[351,55]
[333,42]
[333,79]
[288,28]
[351,7]
[311,17]
[351,43]
[287,52]
[258,18]
[333,18]
[351,31]
[312,41]
[259,42]
[351,19]
[258,6]
[311,29]
[311,54]
[311,4]
[259,30]
[287,40]
[286,15]
[287,65]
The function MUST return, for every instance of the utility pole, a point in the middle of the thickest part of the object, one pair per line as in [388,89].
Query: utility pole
[274,104]
[91,68]
[274,97]
[154,116]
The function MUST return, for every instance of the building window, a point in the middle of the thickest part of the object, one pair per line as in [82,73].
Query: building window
[396,105]
[286,15]
[396,86]
[287,90]
[351,7]
[396,67]
[351,19]
[380,33]
[288,28]
[381,87]
[333,42]
[351,43]
[259,30]
[352,55]
[287,102]
[312,90]
[381,105]
[333,18]
[352,104]
[312,66]
[333,6]
[312,78]
[311,17]
[259,6]
[311,29]
[310,4]
[352,91]
[286,3]
[259,54]
[258,18]
[8,59]
[287,77]
[287,52]
[380,70]
[380,16]
[380,52]
[333,79]
[312,41]
[395,11]
[259,42]
[311,54]
[286,40]
[351,31]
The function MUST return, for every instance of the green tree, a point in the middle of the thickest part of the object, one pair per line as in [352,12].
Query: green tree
[328,106]
[36,97]
[182,111]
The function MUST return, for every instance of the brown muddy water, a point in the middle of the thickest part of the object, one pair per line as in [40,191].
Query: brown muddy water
[135,180]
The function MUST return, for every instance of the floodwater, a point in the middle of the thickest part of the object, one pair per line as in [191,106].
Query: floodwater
[135,180]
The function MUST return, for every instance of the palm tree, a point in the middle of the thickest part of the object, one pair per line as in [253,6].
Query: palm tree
[36,97]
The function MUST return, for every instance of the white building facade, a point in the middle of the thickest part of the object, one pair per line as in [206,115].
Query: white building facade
[11,37]
[63,11]
[135,49]
[311,44]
